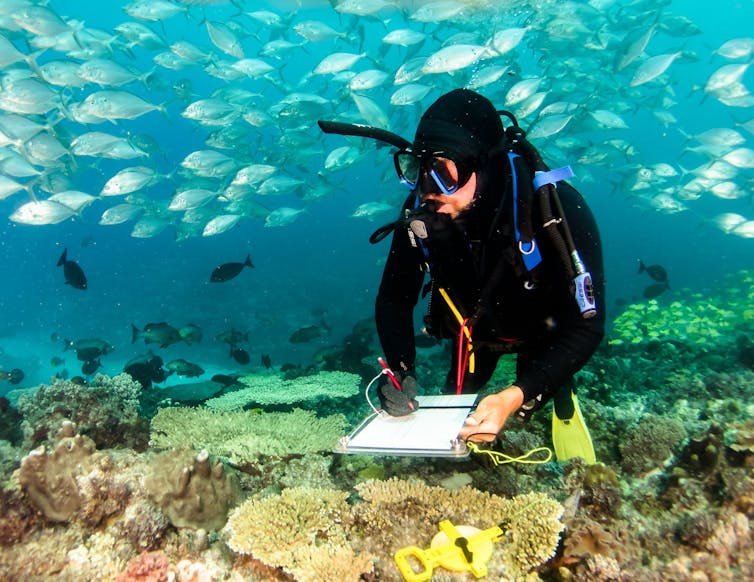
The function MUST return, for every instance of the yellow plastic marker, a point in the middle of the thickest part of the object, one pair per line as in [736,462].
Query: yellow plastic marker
[461,549]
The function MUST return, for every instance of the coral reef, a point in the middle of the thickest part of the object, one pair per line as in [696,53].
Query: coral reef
[191,490]
[398,513]
[72,480]
[672,497]
[244,436]
[303,530]
[265,389]
[650,444]
[106,411]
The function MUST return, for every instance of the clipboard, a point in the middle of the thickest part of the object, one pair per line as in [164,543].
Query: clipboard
[431,431]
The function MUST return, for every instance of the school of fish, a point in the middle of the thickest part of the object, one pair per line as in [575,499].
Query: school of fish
[583,77]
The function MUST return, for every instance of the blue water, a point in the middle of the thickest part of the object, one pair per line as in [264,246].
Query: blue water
[321,267]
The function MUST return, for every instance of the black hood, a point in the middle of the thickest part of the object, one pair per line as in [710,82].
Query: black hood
[462,124]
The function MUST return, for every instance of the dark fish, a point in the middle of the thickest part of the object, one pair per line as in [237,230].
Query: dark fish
[266,361]
[656,272]
[228,271]
[146,369]
[88,349]
[74,275]
[15,376]
[232,336]
[225,379]
[655,290]
[156,333]
[55,361]
[184,368]
[90,367]
[308,333]
[240,355]
[191,333]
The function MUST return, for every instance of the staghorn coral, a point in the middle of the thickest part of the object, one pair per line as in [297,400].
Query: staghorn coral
[303,530]
[190,490]
[265,389]
[244,436]
[105,411]
[397,513]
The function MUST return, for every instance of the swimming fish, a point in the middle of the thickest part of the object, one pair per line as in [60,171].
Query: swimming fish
[73,273]
[228,271]
[656,272]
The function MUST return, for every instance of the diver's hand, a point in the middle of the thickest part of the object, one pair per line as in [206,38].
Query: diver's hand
[490,415]
[398,402]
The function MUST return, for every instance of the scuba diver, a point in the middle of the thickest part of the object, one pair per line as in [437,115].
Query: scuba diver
[486,220]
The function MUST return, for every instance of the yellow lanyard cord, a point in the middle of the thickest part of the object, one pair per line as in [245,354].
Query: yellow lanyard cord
[464,328]
[499,458]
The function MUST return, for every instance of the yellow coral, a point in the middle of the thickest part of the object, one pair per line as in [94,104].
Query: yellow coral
[303,530]
[400,512]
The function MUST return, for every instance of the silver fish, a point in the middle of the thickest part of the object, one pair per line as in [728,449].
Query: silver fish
[42,212]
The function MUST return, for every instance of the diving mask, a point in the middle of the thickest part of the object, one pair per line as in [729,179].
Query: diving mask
[416,170]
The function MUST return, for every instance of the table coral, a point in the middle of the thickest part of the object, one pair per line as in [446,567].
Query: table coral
[244,436]
[265,389]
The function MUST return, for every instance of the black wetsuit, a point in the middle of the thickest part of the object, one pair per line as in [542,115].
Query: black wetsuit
[543,326]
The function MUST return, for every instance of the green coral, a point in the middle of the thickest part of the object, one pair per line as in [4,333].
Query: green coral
[244,436]
[302,530]
[265,389]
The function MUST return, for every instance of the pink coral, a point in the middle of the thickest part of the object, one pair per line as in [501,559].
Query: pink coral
[146,567]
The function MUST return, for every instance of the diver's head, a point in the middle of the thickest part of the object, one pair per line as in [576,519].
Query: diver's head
[451,148]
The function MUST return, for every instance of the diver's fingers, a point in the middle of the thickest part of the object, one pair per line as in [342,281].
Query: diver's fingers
[482,437]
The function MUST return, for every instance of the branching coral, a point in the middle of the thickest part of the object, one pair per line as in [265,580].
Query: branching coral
[397,512]
[244,436]
[266,389]
[303,530]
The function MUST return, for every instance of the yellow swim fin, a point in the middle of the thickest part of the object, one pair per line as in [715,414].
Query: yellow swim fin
[570,435]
